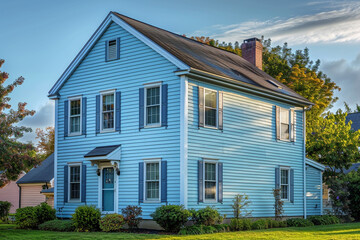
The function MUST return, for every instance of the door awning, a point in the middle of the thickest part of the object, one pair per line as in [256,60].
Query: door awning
[104,154]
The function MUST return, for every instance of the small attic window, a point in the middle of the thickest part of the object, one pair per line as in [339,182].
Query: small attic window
[112,50]
[274,83]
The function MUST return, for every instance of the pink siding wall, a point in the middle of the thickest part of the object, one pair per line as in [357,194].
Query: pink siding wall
[50,200]
[10,193]
[31,196]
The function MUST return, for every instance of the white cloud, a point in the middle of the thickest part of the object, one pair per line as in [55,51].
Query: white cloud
[339,23]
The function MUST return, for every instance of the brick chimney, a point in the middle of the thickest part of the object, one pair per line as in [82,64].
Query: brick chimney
[252,51]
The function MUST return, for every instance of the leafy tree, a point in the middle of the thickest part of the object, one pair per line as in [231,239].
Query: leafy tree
[332,142]
[15,156]
[46,144]
[349,110]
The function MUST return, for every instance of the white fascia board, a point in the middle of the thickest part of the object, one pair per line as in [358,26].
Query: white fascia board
[53,93]
[149,42]
[314,164]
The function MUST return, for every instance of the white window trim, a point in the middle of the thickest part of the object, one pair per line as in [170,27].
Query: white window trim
[217,109]
[290,123]
[116,199]
[289,184]
[217,181]
[155,160]
[108,49]
[146,125]
[69,111]
[113,91]
[69,183]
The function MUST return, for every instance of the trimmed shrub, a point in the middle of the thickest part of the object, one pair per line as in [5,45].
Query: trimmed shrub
[58,225]
[44,213]
[208,229]
[282,224]
[201,229]
[222,227]
[259,224]
[299,222]
[191,230]
[206,216]
[247,224]
[26,218]
[131,216]
[112,222]
[240,224]
[324,220]
[4,210]
[86,218]
[171,217]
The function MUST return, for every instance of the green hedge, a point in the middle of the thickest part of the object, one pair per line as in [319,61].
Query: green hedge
[86,218]
[299,222]
[202,229]
[171,217]
[324,220]
[58,225]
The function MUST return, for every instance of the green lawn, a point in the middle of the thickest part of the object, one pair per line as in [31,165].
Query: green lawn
[338,231]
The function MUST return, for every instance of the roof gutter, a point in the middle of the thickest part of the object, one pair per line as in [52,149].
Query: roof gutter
[232,83]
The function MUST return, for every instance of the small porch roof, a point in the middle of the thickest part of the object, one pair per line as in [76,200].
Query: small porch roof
[315,164]
[104,154]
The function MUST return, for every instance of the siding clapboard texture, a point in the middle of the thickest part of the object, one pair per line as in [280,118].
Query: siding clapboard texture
[248,149]
[31,196]
[10,193]
[313,191]
[138,64]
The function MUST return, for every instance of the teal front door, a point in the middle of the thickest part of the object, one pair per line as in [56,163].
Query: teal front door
[108,189]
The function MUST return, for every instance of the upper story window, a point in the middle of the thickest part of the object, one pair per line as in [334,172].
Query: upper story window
[75,115]
[74,182]
[152,105]
[152,180]
[112,49]
[284,124]
[211,113]
[210,180]
[107,111]
[285,183]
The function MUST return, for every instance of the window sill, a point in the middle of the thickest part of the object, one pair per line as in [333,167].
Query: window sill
[210,127]
[107,131]
[74,201]
[152,201]
[74,134]
[153,126]
[210,201]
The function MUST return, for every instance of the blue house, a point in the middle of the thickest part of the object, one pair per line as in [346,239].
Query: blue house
[148,117]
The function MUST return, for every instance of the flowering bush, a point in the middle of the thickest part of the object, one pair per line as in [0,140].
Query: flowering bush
[132,216]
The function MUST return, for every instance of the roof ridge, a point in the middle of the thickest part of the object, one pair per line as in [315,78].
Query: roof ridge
[204,44]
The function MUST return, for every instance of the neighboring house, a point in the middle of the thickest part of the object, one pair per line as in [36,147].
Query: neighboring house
[35,182]
[355,119]
[314,191]
[147,117]
[10,193]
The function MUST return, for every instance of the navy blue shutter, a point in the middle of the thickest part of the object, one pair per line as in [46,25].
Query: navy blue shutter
[277,178]
[292,185]
[164,105]
[83,116]
[66,182]
[163,181]
[201,107]
[106,50]
[118,48]
[220,182]
[141,182]
[66,118]
[97,113]
[118,112]
[83,183]
[141,108]
[221,112]
[277,116]
[201,181]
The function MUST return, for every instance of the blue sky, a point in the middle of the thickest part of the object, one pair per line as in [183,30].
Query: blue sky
[40,38]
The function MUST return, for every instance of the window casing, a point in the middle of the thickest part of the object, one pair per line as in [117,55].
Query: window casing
[107,110]
[75,182]
[112,50]
[152,180]
[210,180]
[285,183]
[153,105]
[75,113]
[284,124]
[211,108]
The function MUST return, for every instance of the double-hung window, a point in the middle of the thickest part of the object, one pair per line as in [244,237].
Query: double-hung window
[210,181]
[285,183]
[75,115]
[152,180]
[107,111]
[284,124]
[152,105]
[211,107]
[74,182]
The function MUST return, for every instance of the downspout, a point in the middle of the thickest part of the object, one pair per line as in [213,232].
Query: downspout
[304,152]
[19,196]
[321,193]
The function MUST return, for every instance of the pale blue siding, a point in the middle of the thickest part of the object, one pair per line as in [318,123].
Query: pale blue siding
[248,149]
[313,191]
[138,64]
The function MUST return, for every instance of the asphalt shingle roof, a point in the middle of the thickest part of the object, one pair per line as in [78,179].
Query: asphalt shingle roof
[101,151]
[355,118]
[210,59]
[43,173]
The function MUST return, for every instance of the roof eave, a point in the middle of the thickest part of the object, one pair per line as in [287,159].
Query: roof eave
[243,86]
[315,164]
